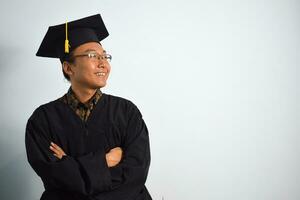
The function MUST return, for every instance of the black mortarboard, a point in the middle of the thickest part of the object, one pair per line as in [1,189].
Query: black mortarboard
[62,39]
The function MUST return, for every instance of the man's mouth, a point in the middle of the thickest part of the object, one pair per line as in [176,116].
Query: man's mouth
[100,74]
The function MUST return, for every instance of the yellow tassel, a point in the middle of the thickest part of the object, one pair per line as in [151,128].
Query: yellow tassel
[67,45]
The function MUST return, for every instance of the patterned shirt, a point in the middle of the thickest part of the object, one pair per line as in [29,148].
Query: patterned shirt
[83,110]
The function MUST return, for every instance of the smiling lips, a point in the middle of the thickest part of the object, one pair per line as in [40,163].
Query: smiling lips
[100,74]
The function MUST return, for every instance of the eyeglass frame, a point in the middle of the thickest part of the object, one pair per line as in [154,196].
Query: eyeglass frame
[98,56]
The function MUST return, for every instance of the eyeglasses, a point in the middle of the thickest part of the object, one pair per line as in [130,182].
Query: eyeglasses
[93,56]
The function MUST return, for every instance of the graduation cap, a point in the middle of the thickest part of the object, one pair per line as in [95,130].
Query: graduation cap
[61,39]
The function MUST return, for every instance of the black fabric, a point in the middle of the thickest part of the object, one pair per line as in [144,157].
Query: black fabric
[83,173]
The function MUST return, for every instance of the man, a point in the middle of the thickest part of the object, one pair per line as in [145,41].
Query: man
[87,144]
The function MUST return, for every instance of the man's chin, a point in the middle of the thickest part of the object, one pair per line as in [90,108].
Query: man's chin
[101,85]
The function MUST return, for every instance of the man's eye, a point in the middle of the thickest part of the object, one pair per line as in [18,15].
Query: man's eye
[92,55]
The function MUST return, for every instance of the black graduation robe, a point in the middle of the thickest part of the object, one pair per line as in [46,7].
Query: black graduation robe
[83,174]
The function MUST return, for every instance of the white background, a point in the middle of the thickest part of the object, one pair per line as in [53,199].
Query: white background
[216,81]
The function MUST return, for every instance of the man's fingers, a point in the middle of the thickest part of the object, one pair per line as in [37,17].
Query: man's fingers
[53,144]
[114,156]
[56,149]
[116,149]
[56,146]
[58,156]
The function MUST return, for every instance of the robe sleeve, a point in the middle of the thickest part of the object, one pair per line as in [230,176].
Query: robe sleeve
[129,176]
[66,174]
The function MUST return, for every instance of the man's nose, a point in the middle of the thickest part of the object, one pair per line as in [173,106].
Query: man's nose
[101,63]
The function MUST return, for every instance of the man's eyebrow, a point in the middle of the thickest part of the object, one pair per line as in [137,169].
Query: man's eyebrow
[88,50]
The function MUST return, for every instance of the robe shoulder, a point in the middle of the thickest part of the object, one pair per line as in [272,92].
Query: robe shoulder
[123,103]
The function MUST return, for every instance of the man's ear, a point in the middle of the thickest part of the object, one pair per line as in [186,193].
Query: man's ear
[67,67]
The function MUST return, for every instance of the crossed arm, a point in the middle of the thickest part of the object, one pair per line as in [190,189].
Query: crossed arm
[113,157]
[96,173]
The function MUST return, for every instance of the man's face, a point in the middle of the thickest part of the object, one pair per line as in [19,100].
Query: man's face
[89,72]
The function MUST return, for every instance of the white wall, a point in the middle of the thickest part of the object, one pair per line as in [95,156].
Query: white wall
[215,80]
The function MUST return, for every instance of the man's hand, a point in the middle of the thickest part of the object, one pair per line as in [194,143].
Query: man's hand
[58,152]
[114,156]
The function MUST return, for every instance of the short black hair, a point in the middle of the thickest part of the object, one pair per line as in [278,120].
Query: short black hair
[67,58]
